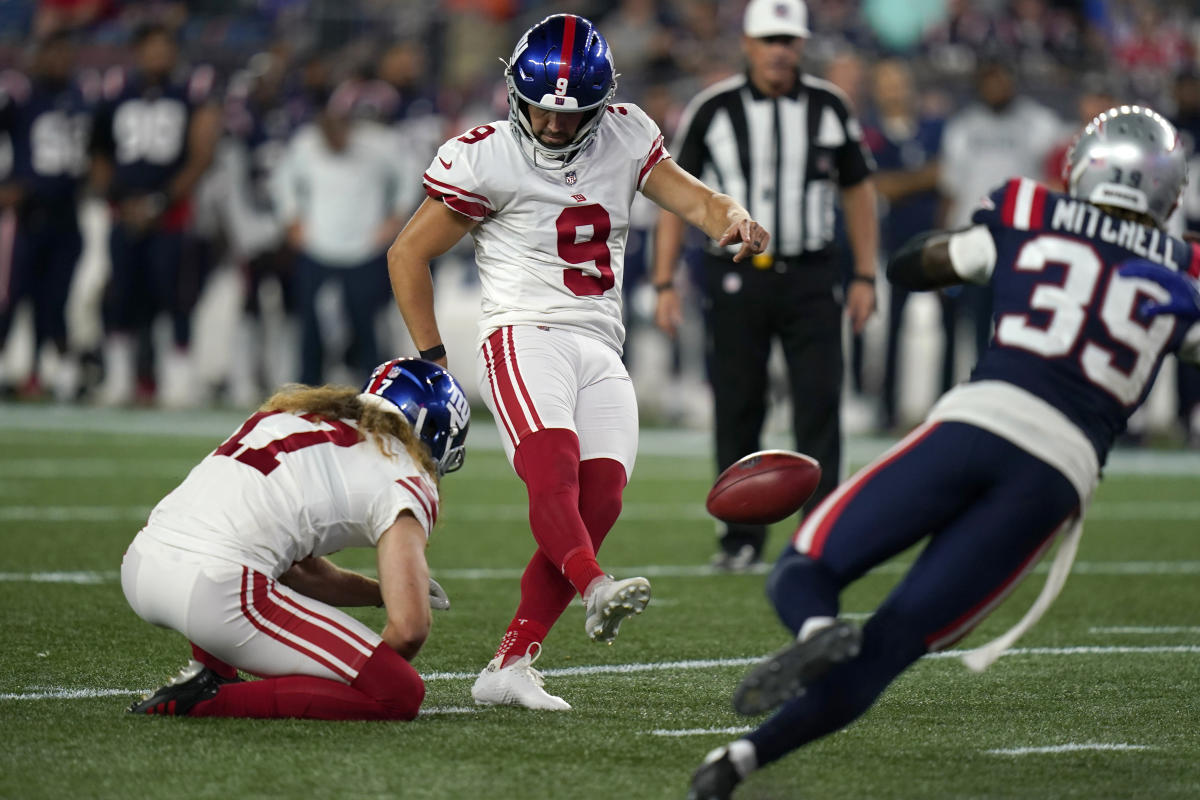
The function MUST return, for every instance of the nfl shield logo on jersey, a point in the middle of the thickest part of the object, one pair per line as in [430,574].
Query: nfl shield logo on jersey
[571,178]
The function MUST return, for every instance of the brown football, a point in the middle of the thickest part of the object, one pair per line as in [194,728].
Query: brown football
[763,487]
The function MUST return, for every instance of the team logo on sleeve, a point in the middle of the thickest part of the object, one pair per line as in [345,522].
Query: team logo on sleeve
[571,178]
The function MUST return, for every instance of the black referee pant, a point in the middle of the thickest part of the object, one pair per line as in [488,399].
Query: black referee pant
[745,309]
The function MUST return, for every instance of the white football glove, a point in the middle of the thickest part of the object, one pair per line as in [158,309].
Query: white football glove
[438,599]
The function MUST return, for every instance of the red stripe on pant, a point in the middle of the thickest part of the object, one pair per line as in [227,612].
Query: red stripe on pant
[837,502]
[505,391]
[966,622]
[313,639]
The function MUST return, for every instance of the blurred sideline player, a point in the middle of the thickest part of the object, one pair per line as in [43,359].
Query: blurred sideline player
[1005,463]
[546,195]
[152,140]
[48,118]
[234,558]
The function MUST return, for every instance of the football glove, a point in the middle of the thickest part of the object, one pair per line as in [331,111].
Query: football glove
[438,599]
[1185,292]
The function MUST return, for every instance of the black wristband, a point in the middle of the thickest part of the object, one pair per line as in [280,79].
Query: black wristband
[433,353]
[863,278]
[664,286]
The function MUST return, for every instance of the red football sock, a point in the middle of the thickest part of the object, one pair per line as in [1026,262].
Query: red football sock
[601,481]
[212,662]
[548,462]
[387,688]
[545,593]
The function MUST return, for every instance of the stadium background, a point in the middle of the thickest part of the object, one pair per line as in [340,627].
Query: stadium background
[1099,700]
[448,80]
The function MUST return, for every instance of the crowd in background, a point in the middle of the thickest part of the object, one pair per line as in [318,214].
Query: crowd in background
[954,96]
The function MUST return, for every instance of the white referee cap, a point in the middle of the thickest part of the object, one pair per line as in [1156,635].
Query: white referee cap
[776,18]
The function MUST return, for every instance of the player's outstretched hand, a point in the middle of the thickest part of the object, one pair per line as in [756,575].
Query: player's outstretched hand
[754,238]
[1185,292]
[438,599]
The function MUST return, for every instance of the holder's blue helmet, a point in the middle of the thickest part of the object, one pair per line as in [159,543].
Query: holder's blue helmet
[560,64]
[430,399]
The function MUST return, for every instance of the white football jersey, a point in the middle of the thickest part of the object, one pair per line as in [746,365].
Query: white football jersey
[284,487]
[551,243]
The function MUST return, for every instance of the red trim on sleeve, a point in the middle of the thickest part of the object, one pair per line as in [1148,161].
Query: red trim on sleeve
[1009,208]
[1194,268]
[657,154]
[465,207]
[451,187]
[1039,207]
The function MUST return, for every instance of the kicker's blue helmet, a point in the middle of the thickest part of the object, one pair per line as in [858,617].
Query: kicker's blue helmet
[560,64]
[430,399]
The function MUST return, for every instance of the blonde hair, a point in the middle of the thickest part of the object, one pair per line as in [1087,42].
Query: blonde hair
[341,402]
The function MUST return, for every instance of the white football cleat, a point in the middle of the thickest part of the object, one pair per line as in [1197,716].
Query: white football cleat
[518,684]
[609,601]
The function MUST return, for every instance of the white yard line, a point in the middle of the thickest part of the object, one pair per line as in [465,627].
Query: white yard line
[699,731]
[19,421]
[1064,748]
[65,693]
[1146,630]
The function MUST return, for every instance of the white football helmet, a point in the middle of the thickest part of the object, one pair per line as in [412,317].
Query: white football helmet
[1128,157]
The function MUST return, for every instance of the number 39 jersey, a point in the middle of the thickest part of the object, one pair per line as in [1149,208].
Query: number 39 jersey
[550,245]
[1067,327]
[284,487]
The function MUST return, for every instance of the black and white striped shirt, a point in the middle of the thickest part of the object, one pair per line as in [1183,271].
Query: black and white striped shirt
[782,158]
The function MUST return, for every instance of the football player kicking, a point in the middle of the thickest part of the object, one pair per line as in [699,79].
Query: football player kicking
[546,197]
[234,558]
[1005,463]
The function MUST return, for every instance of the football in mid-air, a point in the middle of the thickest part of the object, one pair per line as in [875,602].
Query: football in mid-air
[763,487]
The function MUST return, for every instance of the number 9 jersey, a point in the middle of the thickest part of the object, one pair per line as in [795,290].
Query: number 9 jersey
[550,245]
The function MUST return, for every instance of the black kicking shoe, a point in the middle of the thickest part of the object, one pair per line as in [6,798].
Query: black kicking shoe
[715,779]
[193,684]
[785,675]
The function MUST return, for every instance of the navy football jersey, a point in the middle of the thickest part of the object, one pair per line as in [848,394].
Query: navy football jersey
[1066,325]
[143,128]
[48,125]
[264,133]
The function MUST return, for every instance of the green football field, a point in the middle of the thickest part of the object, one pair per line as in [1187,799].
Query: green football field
[1100,700]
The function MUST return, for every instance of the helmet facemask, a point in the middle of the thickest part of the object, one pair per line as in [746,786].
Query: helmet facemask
[537,76]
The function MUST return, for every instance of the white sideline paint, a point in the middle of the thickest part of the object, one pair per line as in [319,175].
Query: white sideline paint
[519,512]
[64,693]
[1106,568]
[425,712]
[26,421]
[1065,748]
[1121,629]
[699,731]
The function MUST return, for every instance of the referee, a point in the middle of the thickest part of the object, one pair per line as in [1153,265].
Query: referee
[782,144]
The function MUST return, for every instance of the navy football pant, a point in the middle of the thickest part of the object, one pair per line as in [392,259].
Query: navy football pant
[989,510]
[150,274]
[44,258]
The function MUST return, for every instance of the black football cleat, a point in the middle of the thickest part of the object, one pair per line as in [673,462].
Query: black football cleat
[194,684]
[786,674]
[716,778]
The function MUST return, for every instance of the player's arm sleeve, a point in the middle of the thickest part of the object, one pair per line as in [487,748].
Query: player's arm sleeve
[854,162]
[944,258]
[454,177]
[414,493]
[649,155]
